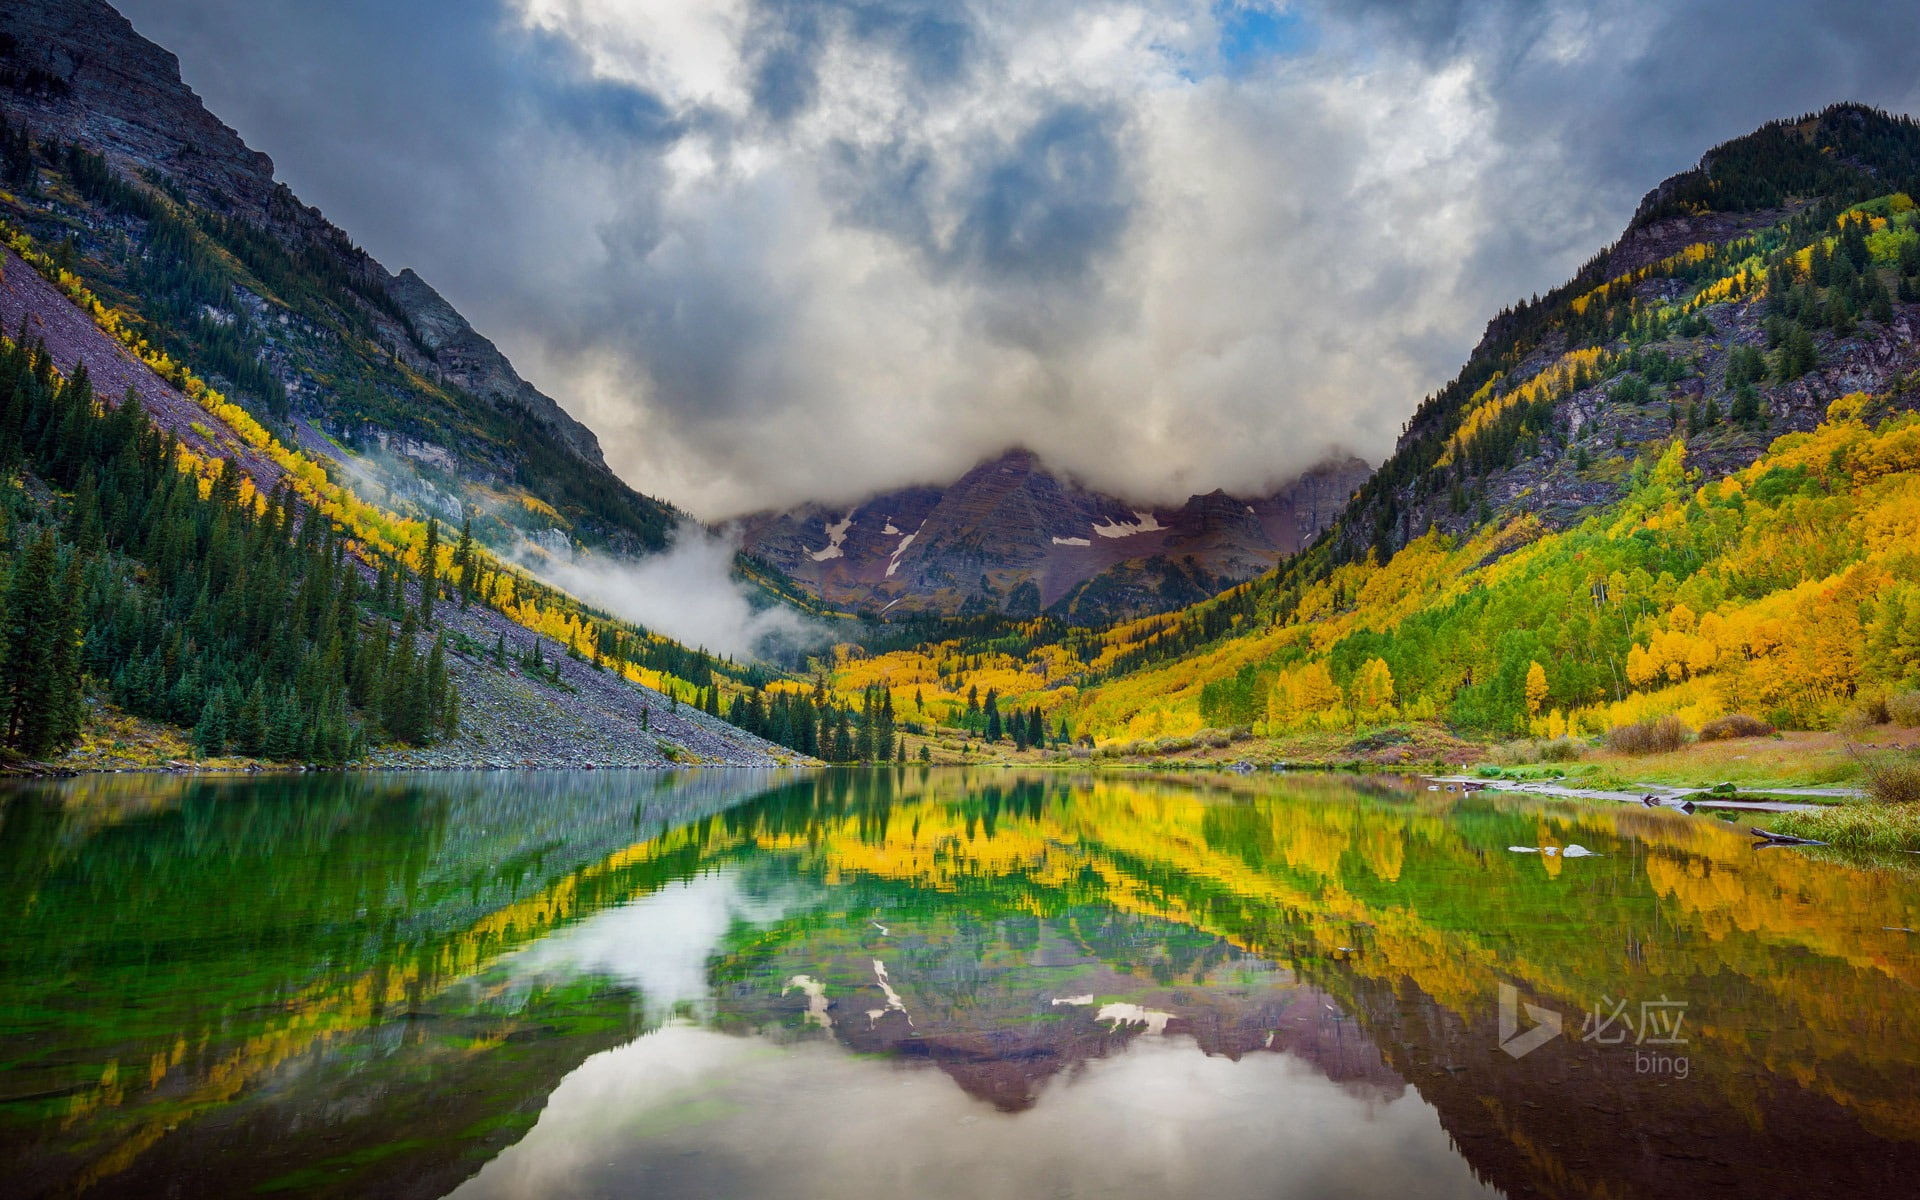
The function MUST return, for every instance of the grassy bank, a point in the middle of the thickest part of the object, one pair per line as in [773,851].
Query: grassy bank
[1887,820]
[1864,826]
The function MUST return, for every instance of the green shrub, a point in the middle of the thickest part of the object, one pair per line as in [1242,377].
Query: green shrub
[1864,714]
[1560,750]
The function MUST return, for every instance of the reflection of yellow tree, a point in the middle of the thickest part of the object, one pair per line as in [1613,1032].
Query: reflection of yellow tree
[1276,873]
[1309,856]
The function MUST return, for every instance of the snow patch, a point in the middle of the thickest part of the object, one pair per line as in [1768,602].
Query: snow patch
[1143,522]
[816,999]
[894,1003]
[1059,541]
[1133,1014]
[836,534]
[893,563]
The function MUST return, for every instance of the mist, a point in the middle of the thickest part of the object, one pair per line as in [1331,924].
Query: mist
[686,592]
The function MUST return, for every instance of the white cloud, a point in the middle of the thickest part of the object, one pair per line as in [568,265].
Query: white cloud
[806,249]
[1289,253]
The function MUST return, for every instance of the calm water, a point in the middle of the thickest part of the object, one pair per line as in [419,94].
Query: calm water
[935,983]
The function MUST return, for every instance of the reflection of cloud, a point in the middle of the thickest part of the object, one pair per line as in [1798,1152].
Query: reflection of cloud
[808,248]
[699,1113]
[660,943]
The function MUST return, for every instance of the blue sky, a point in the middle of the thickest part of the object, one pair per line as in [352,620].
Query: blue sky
[1253,33]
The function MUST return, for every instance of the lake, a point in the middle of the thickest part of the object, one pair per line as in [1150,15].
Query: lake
[936,982]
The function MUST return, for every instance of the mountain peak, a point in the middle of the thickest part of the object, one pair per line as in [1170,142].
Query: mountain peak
[1013,534]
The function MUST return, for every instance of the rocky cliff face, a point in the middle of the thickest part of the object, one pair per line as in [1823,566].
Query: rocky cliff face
[1013,535]
[349,343]
[461,356]
[105,86]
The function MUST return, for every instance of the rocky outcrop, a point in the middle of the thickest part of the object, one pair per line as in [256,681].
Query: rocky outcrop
[1016,536]
[122,95]
[462,357]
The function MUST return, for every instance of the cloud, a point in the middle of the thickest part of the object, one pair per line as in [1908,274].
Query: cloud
[775,250]
[687,592]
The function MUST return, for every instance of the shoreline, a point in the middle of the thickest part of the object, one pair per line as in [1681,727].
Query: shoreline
[1664,796]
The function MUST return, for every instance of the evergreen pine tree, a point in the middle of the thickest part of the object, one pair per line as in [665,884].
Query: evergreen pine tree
[40,671]
[429,572]
[463,558]
[439,693]
[210,732]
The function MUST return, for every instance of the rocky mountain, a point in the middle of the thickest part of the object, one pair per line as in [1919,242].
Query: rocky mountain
[275,304]
[568,711]
[1015,536]
[227,329]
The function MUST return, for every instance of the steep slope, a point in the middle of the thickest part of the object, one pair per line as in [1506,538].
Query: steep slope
[1684,482]
[238,679]
[1507,434]
[226,268]
[1014,536]
[1770,291]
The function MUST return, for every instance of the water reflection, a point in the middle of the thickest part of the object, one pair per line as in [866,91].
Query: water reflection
[932,982]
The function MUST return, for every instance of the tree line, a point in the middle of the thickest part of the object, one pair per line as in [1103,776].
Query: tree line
[168,585]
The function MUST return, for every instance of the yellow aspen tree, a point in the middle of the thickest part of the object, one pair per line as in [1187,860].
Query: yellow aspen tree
[1372,691]
[1536,688]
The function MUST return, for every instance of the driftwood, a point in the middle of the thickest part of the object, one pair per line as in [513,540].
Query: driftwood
[1768,837]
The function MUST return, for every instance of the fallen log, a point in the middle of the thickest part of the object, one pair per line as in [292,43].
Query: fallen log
[1770,838]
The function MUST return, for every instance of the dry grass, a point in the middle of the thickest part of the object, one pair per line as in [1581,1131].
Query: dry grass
[1733,726]
[1662,736]
[1888,820]
[1789,759]
[1894,779]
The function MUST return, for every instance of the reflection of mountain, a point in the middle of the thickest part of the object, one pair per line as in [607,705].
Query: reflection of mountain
[314,965]
[1003,1007]
[1797,975]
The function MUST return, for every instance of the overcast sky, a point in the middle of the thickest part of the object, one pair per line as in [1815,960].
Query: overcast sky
[774,251]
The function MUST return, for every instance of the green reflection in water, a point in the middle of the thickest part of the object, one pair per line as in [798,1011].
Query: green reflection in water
[371,985]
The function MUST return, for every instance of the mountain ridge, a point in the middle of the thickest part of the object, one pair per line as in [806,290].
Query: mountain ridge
[1014,535]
